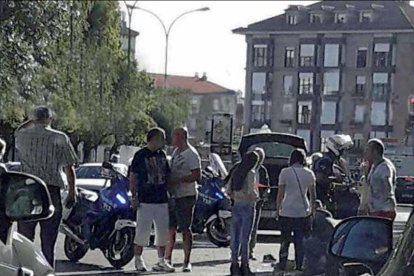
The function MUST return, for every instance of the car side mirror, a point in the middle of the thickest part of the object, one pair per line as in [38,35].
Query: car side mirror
[363,239]
[26,197]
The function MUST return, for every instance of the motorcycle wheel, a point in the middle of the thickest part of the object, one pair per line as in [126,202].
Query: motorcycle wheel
[73,250]
[218,234]
[120,249]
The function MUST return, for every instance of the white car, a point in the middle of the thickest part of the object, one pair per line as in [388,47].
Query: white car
[92,176]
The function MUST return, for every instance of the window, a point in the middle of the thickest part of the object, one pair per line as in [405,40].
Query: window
[292,19]
[259,55]
[331,56]
[362,57]
[288,85]
[304,112]
[305,134]
[359,114]
[325,134]
[193,124]
[290,57]
[378,110]
[305,83]
[365,17]
[359,140]
[258,111]
[194,106]
[377,134]
[216,105]
[268,113]
[316,18]
[259,83]
[288,112]
[381,54]
[331,82]
[307,55]
[328,113]
[380,85]
[361,83]
[340,18]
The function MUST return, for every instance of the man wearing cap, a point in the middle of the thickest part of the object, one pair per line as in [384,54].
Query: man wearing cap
[46,153]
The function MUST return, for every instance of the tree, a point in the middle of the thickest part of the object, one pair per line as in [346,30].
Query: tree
[171,109]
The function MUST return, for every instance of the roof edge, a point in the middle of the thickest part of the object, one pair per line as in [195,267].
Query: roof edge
[328,32]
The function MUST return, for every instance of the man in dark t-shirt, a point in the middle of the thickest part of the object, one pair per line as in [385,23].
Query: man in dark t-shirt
[149,175]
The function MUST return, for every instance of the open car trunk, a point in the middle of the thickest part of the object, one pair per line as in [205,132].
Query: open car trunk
[277,147]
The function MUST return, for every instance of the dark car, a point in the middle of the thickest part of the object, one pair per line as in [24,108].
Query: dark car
[404,191]
[278,147]
[364,246]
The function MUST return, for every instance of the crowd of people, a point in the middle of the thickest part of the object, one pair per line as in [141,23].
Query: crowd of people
[164,193]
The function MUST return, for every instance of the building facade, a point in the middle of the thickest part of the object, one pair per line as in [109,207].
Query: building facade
[125,35]
[206,98]
[332,67]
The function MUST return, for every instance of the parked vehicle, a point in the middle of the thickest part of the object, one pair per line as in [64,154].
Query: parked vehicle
[404,191]
[91,176]
[277,147]
[364,246]
[102,221]
[213,208]
[26,198]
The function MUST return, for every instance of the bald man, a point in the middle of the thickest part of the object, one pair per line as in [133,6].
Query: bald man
[185,173]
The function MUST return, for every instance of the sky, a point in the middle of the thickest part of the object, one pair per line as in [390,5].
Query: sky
[200,42]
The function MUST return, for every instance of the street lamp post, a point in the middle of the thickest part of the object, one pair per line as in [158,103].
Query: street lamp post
[167,32]
[130,9]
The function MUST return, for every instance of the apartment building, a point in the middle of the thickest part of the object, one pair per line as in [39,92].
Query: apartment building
[332,67]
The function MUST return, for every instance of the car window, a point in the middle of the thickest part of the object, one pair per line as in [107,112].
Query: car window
[274,149]
[89,172]
[404,181]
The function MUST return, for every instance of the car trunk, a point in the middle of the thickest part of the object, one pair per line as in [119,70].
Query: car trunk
[274,166]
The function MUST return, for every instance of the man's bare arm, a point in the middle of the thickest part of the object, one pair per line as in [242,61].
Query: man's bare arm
[194,176]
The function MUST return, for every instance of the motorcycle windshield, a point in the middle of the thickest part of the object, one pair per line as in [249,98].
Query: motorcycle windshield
[217,165]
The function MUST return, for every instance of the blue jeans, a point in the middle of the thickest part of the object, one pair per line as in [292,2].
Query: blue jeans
[241,228]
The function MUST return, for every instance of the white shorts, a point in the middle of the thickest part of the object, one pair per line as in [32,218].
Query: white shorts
[147,214]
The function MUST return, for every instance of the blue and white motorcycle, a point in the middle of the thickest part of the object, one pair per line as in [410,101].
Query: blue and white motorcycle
[102,221]
[213,208]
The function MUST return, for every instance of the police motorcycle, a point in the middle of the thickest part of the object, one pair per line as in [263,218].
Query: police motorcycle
[334,188]
[212,212]
[102,221]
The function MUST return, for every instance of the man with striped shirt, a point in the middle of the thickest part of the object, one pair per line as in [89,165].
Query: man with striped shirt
[46,153]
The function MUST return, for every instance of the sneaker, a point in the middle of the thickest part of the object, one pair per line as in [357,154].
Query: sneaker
[245,270]
[163,267]
[269,259]
[140,265]
[187,268]
[235,269]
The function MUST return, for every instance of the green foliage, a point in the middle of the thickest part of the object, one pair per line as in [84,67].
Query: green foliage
[171,109]
[67,55]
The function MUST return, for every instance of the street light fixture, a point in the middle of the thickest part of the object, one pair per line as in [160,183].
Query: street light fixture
[130,9]
[167,32]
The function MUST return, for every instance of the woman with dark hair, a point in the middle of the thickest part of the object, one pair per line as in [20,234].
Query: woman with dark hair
[242,189]
[294,208]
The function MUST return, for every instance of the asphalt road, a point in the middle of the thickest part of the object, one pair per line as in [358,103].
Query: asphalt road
[207,259]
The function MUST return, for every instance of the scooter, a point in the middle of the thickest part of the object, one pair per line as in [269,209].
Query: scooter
[212,211]
[102,221]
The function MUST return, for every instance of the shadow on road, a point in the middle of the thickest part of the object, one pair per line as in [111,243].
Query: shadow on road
[205,263]
[65,266]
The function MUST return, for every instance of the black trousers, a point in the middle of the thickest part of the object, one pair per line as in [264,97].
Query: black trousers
[5,225]
[49,229]
[300,227]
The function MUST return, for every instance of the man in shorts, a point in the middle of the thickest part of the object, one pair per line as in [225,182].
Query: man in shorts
[148,184]
[185,173]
